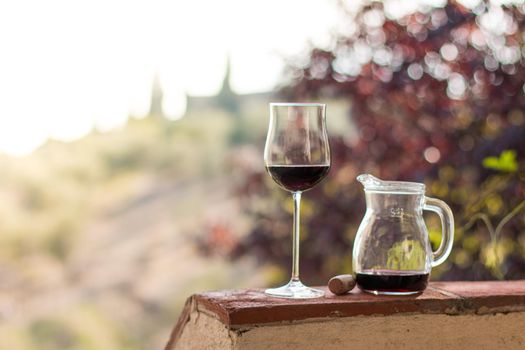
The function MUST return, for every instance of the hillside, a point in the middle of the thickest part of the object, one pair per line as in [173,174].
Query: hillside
[97,236]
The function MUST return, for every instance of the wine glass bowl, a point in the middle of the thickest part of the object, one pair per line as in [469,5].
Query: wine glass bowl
[297,157]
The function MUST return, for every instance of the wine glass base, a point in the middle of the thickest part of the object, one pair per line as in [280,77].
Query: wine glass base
[294,290]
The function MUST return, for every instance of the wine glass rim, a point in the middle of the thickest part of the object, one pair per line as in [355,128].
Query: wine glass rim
[297,104]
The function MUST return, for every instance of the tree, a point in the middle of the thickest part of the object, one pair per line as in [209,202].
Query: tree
[437,96]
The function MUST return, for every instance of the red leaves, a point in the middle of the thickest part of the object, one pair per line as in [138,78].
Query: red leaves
[420,101]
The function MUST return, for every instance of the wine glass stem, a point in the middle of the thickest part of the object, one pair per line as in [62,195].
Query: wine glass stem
[296,229]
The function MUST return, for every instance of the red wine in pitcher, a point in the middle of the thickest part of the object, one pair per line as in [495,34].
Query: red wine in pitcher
[392,281]
[297,177]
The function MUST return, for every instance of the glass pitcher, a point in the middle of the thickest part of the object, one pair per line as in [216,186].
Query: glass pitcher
[392,252]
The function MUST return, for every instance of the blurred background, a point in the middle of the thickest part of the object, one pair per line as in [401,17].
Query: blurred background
[131,137]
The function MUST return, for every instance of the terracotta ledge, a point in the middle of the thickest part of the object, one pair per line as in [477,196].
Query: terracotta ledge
[244,309]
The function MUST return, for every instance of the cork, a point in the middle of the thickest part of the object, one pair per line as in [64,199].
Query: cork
[341,284]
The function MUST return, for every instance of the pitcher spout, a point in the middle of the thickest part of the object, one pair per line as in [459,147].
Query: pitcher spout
[369,180]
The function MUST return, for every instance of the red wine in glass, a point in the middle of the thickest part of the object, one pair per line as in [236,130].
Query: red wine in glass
[297,177]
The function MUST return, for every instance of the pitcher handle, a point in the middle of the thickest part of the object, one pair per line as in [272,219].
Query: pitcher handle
[447,228]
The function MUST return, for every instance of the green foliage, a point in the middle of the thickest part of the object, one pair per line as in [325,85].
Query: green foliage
[406,255]
[52,334]
[506,162]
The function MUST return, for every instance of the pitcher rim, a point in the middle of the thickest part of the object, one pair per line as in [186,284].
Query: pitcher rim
[398,187]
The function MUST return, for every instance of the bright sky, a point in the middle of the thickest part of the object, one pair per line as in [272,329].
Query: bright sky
[68,65]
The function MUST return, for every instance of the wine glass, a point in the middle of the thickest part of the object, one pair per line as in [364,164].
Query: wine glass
[297,157]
